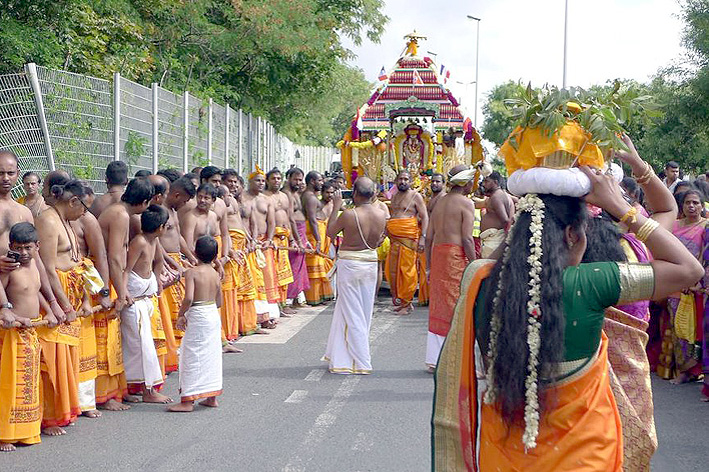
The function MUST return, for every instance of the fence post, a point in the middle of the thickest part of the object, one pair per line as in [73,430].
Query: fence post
[185,131]
[209,131]
[155,127]
[239,135]
[31,71]
[227,130]
[116,116]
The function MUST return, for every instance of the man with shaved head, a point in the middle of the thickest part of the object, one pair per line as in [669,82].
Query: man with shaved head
[363,230]
[407,232]
[449,249]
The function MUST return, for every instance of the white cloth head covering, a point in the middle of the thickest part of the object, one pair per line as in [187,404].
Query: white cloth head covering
[462,177]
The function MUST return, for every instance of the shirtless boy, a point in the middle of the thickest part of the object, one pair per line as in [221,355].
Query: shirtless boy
[22,288]
[116,180]
[144,261]
[201,360]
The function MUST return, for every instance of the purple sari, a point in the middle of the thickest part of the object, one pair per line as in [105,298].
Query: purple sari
[641,309]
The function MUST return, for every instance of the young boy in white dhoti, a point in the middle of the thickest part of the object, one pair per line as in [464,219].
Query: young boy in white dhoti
[140,359]
[201,348]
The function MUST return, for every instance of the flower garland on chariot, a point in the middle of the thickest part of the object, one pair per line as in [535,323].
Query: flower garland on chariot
[559,130]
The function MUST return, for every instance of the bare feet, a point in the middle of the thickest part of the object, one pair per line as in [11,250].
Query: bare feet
[270,324]
[404,310]
[431,369]
[680,379]
[210,402]
[183,407]
[131,398]
[261,331]
[288,311]
[91,414]
[113,405]
[7,447]
[151,396]
[53,431]
[229,348]
[285,315]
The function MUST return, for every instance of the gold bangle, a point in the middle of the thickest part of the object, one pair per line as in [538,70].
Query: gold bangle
[647,175]
[646,229]
[631,216]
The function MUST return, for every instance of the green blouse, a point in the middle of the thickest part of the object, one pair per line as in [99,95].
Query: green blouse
[588,290]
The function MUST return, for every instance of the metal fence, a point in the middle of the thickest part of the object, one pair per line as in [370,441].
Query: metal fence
[55,119]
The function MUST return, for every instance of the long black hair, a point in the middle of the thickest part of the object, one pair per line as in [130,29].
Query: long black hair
[510,365]
[603,241]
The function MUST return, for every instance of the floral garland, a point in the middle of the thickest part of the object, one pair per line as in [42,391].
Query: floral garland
[533,204]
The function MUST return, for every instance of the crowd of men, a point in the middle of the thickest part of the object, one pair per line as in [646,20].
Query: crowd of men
[125,281]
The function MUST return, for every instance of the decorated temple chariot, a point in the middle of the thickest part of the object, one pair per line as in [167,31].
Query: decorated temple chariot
[411,121]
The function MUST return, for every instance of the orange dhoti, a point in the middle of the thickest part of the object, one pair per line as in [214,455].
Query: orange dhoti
[401,268]
[60,359]
[110,377]
[318,266]
[20,400]
[157,323]
[245,289]
[229,310]
[284,274]
[170,301]
[448,262]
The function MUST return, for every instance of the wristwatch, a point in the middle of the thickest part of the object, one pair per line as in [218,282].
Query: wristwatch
[7,306]
[104,292]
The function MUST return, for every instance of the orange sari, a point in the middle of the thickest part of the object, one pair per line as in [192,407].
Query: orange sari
[581,432]
[448,262]
[170,301]
[401,268]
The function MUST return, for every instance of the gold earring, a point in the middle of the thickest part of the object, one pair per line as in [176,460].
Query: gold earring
[570,244]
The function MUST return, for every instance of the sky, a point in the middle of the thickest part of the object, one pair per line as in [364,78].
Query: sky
[523,40]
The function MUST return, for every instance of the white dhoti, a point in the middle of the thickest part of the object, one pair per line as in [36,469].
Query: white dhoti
[87,395]
[491,239]
[201,353]
[264,308]
[434,343]
[348,344]
[140,359]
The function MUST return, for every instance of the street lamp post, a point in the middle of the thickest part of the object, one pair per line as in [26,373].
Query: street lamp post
[566,22]
[477,63]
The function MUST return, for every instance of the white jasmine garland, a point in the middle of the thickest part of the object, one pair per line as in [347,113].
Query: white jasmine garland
[533,204]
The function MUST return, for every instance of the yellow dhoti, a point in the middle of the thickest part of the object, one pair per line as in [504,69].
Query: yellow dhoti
[491,239]
[169,301]
[284,274]
[20,400]
[157,324]
[245,290]
[401,268]
[318,267]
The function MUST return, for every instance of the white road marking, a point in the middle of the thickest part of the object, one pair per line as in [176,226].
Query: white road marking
[286,329]
[315,375]
[333,408]
[297,396]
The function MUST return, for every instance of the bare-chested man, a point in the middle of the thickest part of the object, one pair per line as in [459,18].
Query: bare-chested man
[60,253]
[407,232]
[449,249]
[328,190]
[294,179]
[363,230]
[497,219]
[240,233]
[260,209]
[318,263]
[438,190]
[284,235]
[33,198]
[116,181]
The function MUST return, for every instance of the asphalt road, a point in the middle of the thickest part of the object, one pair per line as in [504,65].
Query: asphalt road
[282,411]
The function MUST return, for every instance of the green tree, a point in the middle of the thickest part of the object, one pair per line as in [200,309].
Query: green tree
[499,121]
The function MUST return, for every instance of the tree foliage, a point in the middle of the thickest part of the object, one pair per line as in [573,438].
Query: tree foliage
[281,60]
